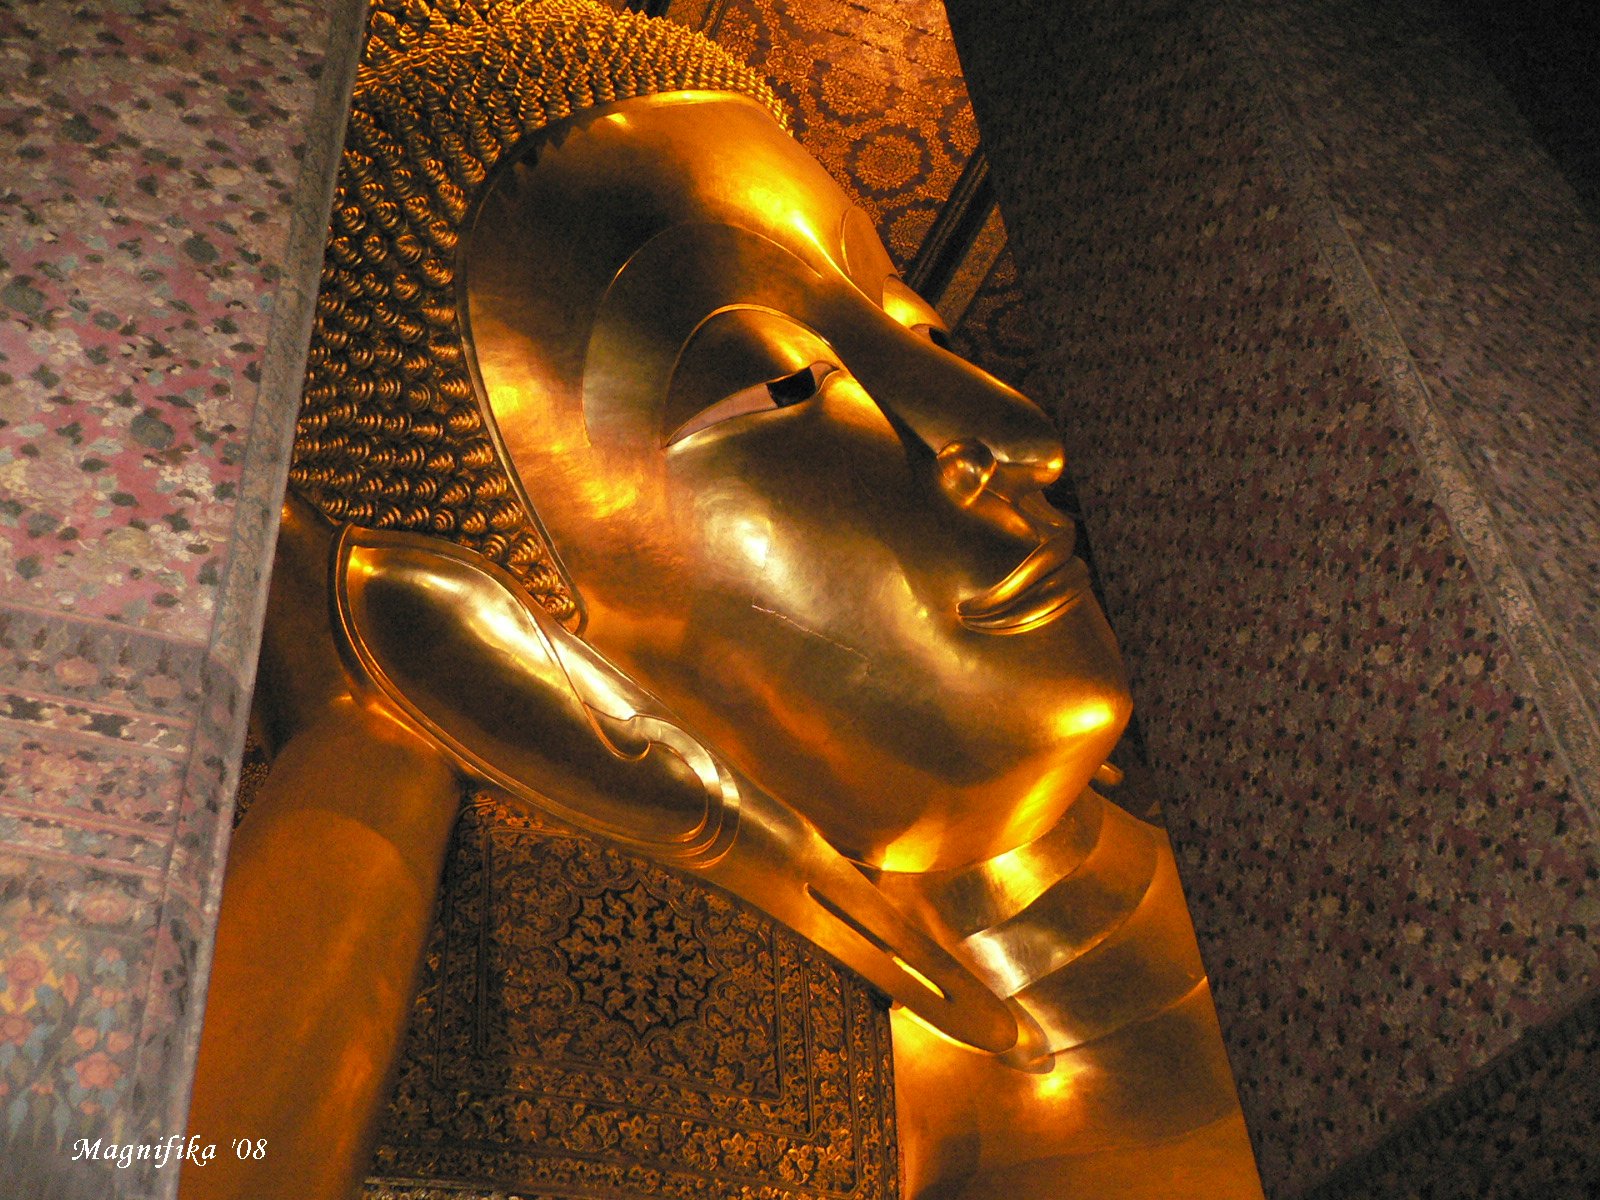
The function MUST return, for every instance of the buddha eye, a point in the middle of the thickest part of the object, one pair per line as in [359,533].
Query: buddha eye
[801,386]
[784,392]
[743,360]
[936,334]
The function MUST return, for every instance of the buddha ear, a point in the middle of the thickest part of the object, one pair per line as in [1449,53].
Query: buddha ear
[452,644]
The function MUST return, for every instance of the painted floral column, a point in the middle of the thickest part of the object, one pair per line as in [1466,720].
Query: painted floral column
[162,207]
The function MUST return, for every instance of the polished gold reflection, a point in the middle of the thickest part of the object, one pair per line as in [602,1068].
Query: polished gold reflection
[807,528]
[827,647]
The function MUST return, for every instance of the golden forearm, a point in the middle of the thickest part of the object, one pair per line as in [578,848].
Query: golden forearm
[326,907]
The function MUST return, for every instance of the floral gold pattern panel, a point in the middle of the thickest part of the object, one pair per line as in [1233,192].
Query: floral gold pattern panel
[593,1025]
[875,93]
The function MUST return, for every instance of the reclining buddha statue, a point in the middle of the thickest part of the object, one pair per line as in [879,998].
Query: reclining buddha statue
[633,482]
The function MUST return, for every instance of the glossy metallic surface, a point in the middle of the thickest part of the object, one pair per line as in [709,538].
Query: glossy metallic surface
[817,536]
[831,651]
[449,642]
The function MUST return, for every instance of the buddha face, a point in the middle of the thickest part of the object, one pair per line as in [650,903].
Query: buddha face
[786,510]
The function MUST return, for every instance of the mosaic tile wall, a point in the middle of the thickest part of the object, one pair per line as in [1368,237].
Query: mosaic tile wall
[593,1025]
[162,207]
[1326,407]
[1501,328]
[1522,1127]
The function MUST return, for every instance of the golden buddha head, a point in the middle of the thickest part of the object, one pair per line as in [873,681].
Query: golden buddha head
[645,353]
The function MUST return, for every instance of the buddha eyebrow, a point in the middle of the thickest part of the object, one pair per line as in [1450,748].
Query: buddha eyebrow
[665,290]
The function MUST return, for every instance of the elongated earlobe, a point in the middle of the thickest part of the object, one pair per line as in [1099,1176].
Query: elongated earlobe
[448,642]
[451,643]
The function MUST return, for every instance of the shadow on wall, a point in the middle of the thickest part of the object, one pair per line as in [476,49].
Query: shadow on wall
[1547,57]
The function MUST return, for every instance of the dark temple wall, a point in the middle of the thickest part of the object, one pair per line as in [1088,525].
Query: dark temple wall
[1321,334]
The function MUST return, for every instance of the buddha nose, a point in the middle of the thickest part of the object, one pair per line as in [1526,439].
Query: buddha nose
[1007,494]
[988,439]
[994,452]
[966,466]
[984,433]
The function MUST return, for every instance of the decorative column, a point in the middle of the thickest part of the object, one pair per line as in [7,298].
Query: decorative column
[162,214]
[1321,328]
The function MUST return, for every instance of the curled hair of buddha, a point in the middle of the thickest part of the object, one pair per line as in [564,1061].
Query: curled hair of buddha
[391,433]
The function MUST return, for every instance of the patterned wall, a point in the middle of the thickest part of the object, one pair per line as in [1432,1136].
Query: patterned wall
[165,189]
[592,1025]
[1320,343]
[875,93]
[1523,1127]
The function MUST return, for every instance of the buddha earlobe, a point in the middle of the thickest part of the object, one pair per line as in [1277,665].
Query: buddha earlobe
[447,643]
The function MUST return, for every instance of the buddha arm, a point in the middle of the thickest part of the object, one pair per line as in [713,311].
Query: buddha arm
[326,907]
